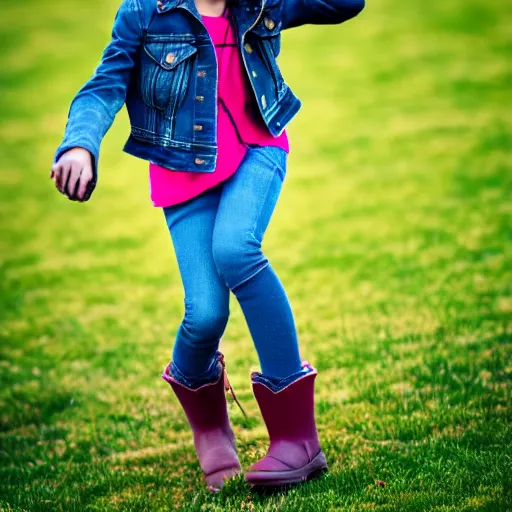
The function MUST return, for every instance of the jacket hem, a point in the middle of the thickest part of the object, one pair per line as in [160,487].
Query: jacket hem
[177,158]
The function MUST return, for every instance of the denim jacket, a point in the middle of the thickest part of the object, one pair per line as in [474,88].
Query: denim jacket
[161,62]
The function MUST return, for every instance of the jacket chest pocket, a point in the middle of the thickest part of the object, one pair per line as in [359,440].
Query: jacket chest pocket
[166,72]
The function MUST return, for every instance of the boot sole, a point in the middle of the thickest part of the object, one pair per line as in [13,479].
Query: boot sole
[311,470]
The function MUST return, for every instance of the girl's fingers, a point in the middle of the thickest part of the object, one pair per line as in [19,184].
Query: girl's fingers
[57,175]
[56,168]
[74,176]
[62,177]
[85,178]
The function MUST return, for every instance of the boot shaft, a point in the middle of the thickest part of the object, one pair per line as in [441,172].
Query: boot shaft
[207,413]
[206,406]
[289,413]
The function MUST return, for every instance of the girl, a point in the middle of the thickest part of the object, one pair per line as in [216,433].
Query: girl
[208,108]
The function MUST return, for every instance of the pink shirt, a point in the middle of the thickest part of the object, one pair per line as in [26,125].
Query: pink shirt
[168,187]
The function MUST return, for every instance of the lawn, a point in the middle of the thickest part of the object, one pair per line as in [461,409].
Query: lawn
[392,237]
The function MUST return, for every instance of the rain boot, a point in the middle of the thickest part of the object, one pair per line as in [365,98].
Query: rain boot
[294,454]
[207,414]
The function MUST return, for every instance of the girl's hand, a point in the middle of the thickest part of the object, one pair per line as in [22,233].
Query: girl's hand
[72,173]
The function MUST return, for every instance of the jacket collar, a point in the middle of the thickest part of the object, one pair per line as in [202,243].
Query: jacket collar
[163,6]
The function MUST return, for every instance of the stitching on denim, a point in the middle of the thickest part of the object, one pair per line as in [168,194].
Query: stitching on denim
[141,12]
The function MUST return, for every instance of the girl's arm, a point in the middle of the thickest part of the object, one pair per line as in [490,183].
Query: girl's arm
[319,12]
[96,104]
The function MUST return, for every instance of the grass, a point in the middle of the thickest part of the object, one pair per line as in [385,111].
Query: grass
[392,238]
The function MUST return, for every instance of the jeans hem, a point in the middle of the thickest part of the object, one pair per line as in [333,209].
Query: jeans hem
[211,375]
[278,384]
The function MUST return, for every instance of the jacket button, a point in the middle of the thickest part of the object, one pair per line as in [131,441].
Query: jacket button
[199,161]
[198,127]
[170,57]
[269,23]
[254,74]
[160,4]
[201,73]
[248,48]
[264,101]
[200,98]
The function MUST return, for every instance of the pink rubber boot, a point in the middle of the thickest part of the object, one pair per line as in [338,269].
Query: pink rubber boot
[214,441]
[294,454]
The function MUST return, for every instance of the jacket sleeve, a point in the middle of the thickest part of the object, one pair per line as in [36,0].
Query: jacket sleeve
[319,12]
[96,104]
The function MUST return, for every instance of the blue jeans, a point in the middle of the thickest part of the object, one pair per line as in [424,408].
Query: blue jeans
[217,239]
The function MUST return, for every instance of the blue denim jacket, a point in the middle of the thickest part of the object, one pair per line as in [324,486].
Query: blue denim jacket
[161,62]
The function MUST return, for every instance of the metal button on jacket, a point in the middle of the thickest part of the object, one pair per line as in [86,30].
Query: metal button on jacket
[269,23]
[170,58]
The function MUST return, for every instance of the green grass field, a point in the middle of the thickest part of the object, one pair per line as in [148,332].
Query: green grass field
[392,238]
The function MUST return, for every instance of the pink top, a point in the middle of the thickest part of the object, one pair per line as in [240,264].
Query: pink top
[168,187]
